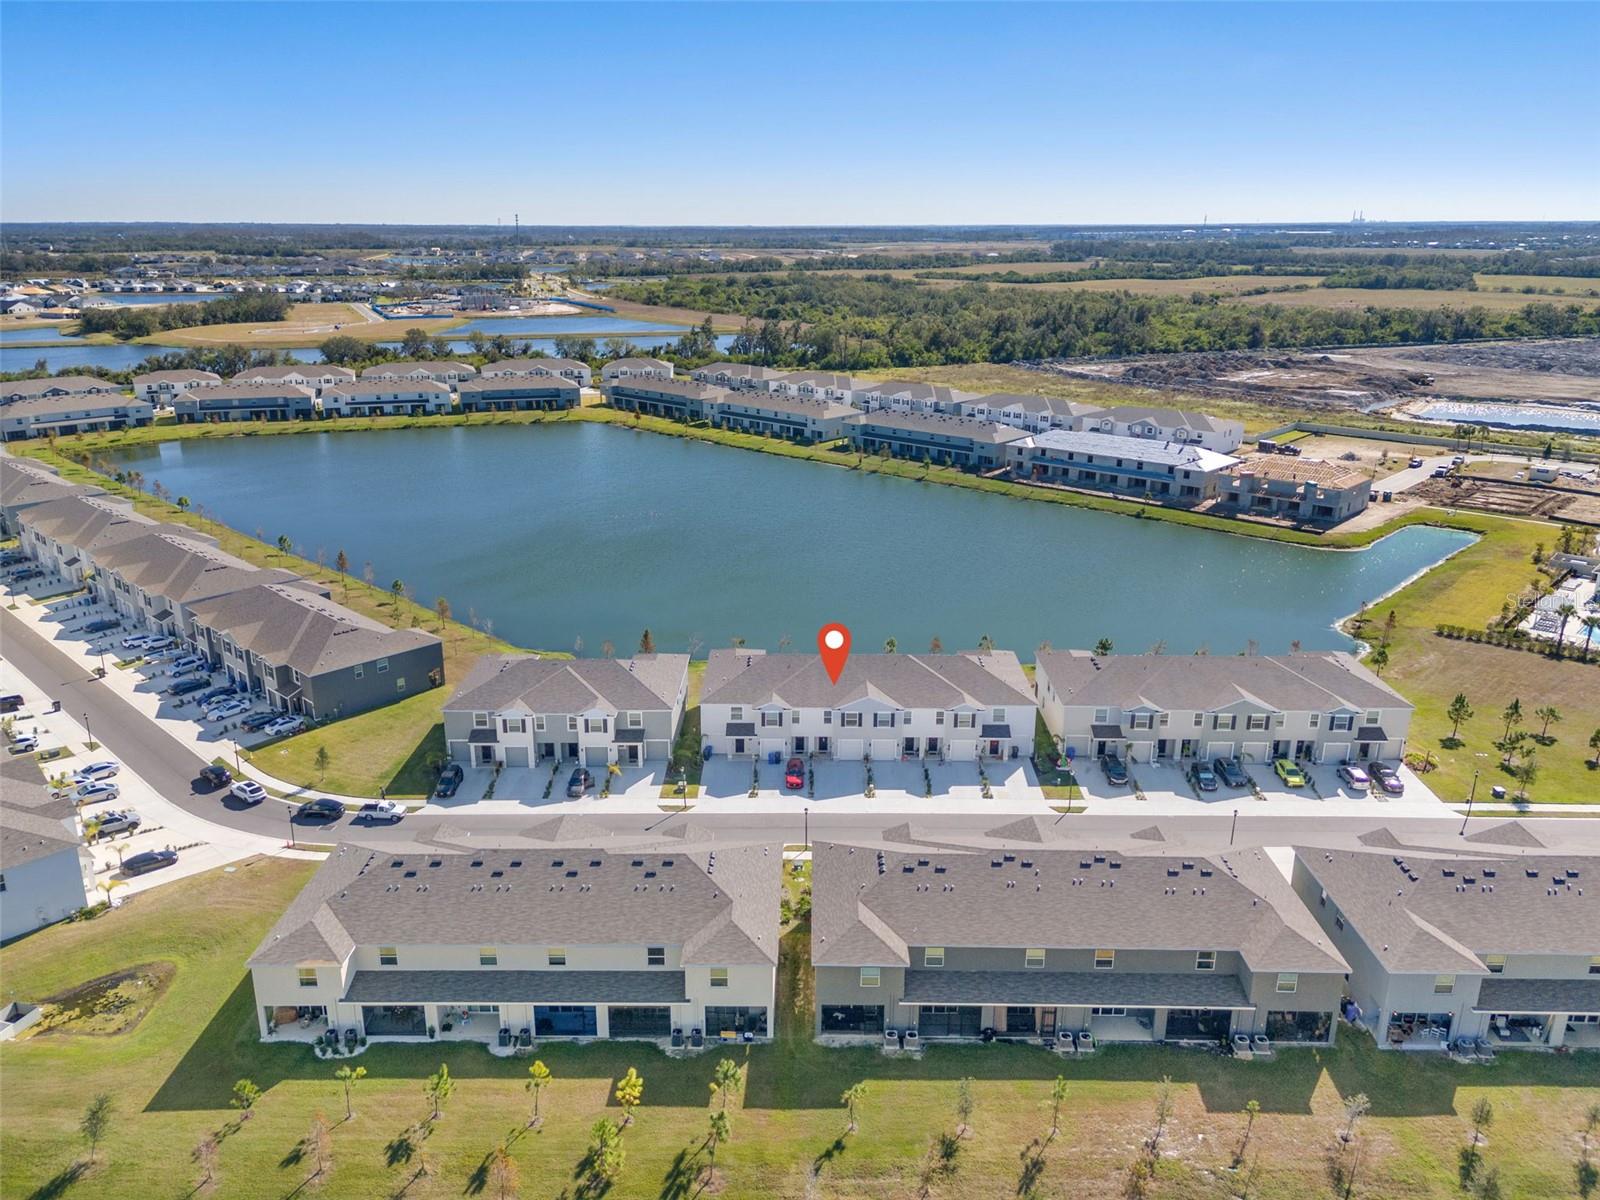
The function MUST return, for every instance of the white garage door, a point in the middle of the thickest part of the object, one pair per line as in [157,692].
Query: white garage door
[1257,751]
[850,749]
[1219,749]
[885,749]
[516,756]
[1335,752]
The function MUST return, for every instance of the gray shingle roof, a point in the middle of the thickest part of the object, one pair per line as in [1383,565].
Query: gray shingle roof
[220,395]
[181,376]
[33,825]
[183,569]
[1145,450]
[799,406]
[1313,682]
[90,522]
[1569,996]
[380,386]
[553,685]
[1195,989]
[397,369]
[517,366]
[718,905]
[25,483]
[303,370]
[945,424]
[27,389]
[909,680]
[493,986]
[1440,923]
[864,913]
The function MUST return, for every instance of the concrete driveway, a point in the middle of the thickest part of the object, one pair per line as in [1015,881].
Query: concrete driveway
[894,782]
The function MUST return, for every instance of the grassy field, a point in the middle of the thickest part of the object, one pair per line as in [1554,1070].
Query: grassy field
[1429,670]
[634,311]
[1399,298]
[170,1076]
[307,325]
[1215,285]
[1560,285]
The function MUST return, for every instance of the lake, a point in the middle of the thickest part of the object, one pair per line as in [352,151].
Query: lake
[569,531]
[35,333]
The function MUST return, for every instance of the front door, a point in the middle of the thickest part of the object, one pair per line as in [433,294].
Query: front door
[738,745]
[908,747]
[1047,1022]
[933,746]
[628,755]
[1363,750]
[799,745]
[1163,748]
[822,745]
[994,747]
[486,755]
[570,750]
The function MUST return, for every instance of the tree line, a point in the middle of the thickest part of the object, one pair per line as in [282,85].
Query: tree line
[142,320]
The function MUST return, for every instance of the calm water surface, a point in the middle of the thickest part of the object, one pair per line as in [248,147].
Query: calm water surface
[583,531]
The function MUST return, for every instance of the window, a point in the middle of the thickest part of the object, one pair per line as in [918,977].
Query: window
[1497,963]
[1371,718]
[933,956]
[794,716]
[1340,722]
[871,976]
[513,725]
[556,956]
[1105,960]
[383,666]
[769,719]
[1225,721]
[480,720]
[736,712]
[1139,721]
[572,724]
[1205,960]
[1033,958]
[308,977]
[595,725]
[360,668]
[1199,720]
[1443,985]
[1594,965]
[881,720]
[538,724]
[388,956]
[655,956]
[827,716]
[1102,716]
[1316,720]
[997,715]
[1288,981]
[719,977]
[938,717]
[965,720]
[850,720]
[1256,721]
[488,956]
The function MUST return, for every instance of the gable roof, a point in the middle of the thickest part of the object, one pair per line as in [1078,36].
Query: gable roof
[28,389]
[33,825]
[182,569]
[555,685]
[908,680]
[432,367]
[26,484]
[91,522]
[303,370]
[716,904]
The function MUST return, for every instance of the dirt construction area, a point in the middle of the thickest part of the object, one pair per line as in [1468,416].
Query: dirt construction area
[1511,497]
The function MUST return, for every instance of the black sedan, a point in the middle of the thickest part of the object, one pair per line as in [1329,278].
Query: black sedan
[1230,772]
[449,780]
[213,777]
[1114,769]
[321,809]
[579,783]
[150,860]
[1387,778]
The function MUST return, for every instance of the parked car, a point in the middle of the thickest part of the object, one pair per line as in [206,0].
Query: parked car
[25,576]
[116,821]
[227,708]
[283,726]
[10,704]
[101,626]
[1291,775]
[1115,771]
[157,644]
[95,793]
[189,662]
[321,809]
[23,743]
[1415,462]
[259,720]
[1387,779]
[1230,772]
[213,776]
[1458,460]
[794,774]
[1440,472]
[96,770]
[579,783]
[1204,777]
[189,685]
[1354,777]
[207,699]
[381,810]
[247,791]
[137,641]
[150,860]
[449,780]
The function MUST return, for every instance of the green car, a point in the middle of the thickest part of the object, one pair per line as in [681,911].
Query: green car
[1291,775]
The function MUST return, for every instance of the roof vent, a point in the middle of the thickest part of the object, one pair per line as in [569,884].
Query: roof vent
[649,874]
[1084,863]
[1172,872]
[560,862]
[666,862]
[1488,872]
[1572,872]
[638,862]
[940,870]
[1188,866]
[1027,864]
[496,875]
[1533,872]
[1449,872]
[477,862]
[572,875]
[595,862]
[1099,858]
[411,875]
[1206,872]
[436,862]
[516,862]
[995,862]
[399,862]
[1115,866]
[922,862]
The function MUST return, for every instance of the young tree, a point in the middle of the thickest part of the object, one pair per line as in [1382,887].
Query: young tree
[1594,744]
[283,543]
[442,607]
[720,1130]
[1548,715]
[1164,1102]
[438,1089]
[323,758]
[890,645]
[183,503]
[349,1076]
[1512,716]
[245,1095]
[608,649]
[503,1173]
[1460,711]
[205,1158]
[319,1141]
[1471,1154]
[96,1122]
[1252,1110]
[851,1099]
[935,646]
[1058,1097]
[396,590]
[538,1080]
[1103,647]
[630,1094]
[1526,772]
[1354,1109]
[1488,1186]
[647,644]
[964,1106]
[606,1156]
[986,644]
[341,563]
[725,1080]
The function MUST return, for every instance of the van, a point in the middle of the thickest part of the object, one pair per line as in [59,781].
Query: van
[11,703]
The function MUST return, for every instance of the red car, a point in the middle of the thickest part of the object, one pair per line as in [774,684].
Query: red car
[794,775]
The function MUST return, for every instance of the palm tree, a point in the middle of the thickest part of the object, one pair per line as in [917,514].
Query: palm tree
[1102,647]
[1591,626]
[1567,611]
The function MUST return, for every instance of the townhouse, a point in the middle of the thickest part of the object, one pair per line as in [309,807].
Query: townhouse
[775,415]
[46,872]
[1321,706]
[956,707]
[62,536]
[522,710]
[246,402]
[161,388]
[60,385]
[934,437]
[1447,946]
[1036,414]
[567,368]
[25,485]
[635,368]
[1052,943]
[507,393]
[80,412]
[447,373]
[657,396]
[818,385]
[505,946]
[155,579]
[1167,425]
[1296,489]
[908,396]
[287,640]
[736,376]
[315,376]
[1178,471]
[386,397]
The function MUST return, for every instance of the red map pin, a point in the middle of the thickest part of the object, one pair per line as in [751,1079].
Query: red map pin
[833,643]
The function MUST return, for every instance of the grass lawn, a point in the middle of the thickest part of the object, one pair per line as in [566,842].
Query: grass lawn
[1561,285]
[170,1076]
[1211,285]
[307,325]
[1428,670]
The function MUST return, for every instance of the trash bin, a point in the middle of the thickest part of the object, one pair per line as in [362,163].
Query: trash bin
[707,754]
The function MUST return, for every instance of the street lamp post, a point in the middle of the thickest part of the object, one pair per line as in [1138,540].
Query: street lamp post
[1233,826]
[807,813]
[289,812]
[1470,796]
[88,731]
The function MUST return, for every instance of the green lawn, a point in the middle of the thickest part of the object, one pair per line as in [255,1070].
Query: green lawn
[170,1077]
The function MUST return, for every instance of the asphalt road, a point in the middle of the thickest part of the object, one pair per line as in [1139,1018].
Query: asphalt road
[171,768]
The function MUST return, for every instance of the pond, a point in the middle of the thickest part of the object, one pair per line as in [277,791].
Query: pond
[117,356]
[599,324]
[556,533]
[36,333]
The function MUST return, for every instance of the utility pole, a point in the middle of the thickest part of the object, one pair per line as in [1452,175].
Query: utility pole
[1233,827]
[1470,796]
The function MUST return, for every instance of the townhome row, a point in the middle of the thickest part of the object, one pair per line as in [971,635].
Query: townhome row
[271,631]
[63,413]
[46,872]
[1071,947]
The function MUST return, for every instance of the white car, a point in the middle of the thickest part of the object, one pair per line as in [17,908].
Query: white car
[25,744]
[247,791]
[96,770]
[94,793]
[381,810]
[192,662]
[284,726]
[226,709]
[158,644]
[137,641]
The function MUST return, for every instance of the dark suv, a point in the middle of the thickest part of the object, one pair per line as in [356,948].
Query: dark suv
[449,780]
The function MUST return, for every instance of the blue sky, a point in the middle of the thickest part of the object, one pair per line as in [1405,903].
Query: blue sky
[814,114]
